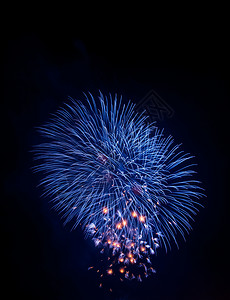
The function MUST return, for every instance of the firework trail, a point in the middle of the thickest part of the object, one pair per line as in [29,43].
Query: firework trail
[130,187]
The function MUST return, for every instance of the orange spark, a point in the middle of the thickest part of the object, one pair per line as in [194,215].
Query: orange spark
[105,210]
[119,226]
[134,214]
[142,219]
[124,222]
[122,270]
[110,271]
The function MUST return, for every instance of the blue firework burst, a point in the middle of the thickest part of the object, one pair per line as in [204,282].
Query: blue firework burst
[130,187]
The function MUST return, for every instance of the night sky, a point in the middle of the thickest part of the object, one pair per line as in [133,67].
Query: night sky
[45,260]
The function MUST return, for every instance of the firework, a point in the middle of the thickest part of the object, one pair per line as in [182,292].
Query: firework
[130,187]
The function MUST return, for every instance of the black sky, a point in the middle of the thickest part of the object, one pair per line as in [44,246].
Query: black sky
[189,70]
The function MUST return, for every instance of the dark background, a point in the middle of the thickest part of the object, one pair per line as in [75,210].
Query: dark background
[189,70]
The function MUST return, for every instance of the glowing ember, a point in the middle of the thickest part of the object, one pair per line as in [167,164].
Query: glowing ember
[110,271]
[142,219]
[124,223]
[119,226]
[134,214]
[105,210]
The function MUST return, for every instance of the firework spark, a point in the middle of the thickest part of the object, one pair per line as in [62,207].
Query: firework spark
[130,187]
